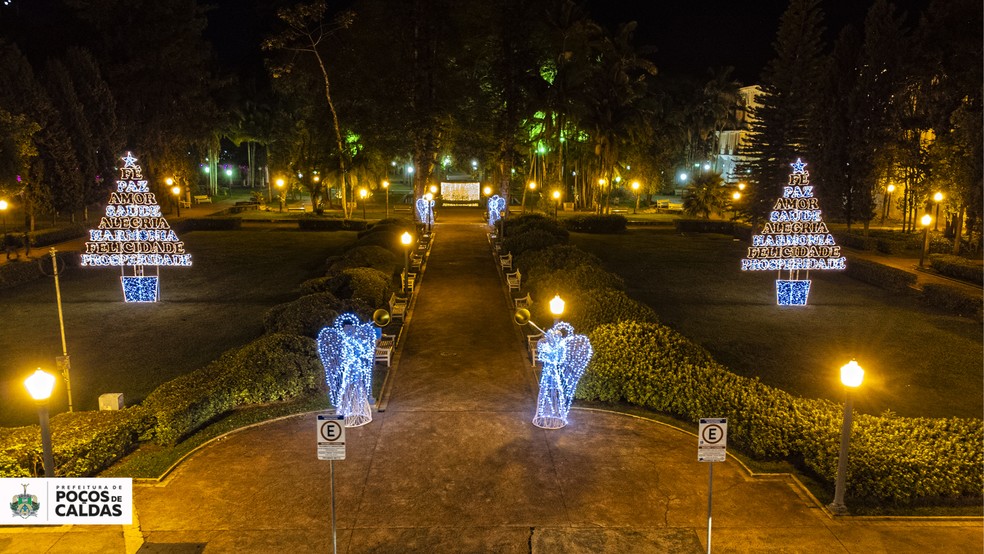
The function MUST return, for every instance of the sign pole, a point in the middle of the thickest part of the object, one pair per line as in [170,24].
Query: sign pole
[334,535]
[710,495]
[712,446]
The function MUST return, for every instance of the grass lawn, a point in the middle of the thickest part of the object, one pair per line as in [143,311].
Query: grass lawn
[206,309]
[918,362]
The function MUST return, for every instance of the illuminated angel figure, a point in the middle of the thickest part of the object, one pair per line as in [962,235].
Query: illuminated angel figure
[425,210]
[496,205]
[564,356]
[346,350]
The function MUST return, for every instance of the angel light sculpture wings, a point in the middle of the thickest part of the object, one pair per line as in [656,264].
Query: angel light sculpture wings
[564,356]
[425,211]
[496,205]
[346,350]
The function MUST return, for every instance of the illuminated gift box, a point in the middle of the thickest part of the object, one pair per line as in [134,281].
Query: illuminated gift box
[140,289]
[792,293]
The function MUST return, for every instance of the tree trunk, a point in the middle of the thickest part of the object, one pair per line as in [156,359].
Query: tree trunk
[958,229]
[342,166]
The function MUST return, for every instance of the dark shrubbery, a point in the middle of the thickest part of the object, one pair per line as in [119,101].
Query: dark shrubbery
[374,257]
[83,443]
[882,276]
[582,278]
[535,239]
[273,368]
[894,460]
[952,300]
[858,242]
[957,267]
[718,226]
[23,270]
[370,285]
[553,258]
[596,223]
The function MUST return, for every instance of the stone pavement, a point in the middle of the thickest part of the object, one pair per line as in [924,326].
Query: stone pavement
[453,464]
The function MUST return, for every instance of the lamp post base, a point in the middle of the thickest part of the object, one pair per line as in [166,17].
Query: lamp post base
[838,509]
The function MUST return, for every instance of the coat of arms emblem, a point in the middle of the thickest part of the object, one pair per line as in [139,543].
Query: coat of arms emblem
[25,505]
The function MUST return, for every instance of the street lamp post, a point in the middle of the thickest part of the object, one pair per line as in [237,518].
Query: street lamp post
[386,186]
[735,197]
[364,195]
[937,198]
[280,193]
[635,189]
[228,173]
[39,386]
[851,376]
[3,215]
[406,238]
[556,197]
[925,221]
[176,191]
[887,204]
[531,187]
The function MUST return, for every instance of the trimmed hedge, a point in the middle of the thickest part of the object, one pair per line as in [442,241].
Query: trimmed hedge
[22,270]
[883,276]
[534,239]
[957,267]
[718,226]
[374,257]
[892,459]
[45,237]
[367,284]
[83,443]
[273,368]
[314,223]
[596,223]
[953,300]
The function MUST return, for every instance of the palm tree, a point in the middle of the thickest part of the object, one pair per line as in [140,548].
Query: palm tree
[705,195]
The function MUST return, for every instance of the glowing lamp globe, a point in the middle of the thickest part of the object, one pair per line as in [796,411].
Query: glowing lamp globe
[736,196]
[3,204]
[386,184]
[890,188]
[556,195]
[363,193]
[532,185]
[169,181]
[39,385]
[176,190]
[487,191]
[635,185]
[926,220]
[406,238]
[557,306]
[852,374]
[428,197]
[280,183]
[938,197]
[433,189]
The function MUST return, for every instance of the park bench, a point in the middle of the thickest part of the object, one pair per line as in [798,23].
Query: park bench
[513,279]
[620,211]
[384,349]
[301,208]
[506,262]
[410,281]
[185,204]
[202,199]
[397,306]
[524,302]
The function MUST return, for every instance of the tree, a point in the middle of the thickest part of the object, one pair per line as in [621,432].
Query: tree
[305,33]
[705,195]
[783,130]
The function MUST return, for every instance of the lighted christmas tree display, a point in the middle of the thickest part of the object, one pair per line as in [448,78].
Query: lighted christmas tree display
[795,239]
[134,234]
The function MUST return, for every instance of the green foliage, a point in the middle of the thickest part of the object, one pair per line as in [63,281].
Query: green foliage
[46,237]
[856,241]
[582,278]
[533,239]
[957,267]
[273,368]
[530,222]
[892,459]
[952,299]
[880,275]
[596,223]
[590,308]
[554,258]
[83,443]
[705,196]
[305,316]
[369,285]
[374,257]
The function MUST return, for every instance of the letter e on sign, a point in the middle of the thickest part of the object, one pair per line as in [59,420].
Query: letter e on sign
[331,437]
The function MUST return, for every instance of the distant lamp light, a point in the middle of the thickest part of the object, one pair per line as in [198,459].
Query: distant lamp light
[406,238]
[938,197]
[280,183]
[532,185]
[682,177]
[635,185]
[556,195]
[363,193]
[741,186]
[487,191]
[386,184]
[736,196]
[926,220]
[890,188]
[433,189]
[707,166]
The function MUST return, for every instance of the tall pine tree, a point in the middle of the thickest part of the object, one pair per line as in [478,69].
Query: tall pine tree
[784,128]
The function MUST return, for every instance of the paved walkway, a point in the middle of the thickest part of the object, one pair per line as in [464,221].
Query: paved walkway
[454,465]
